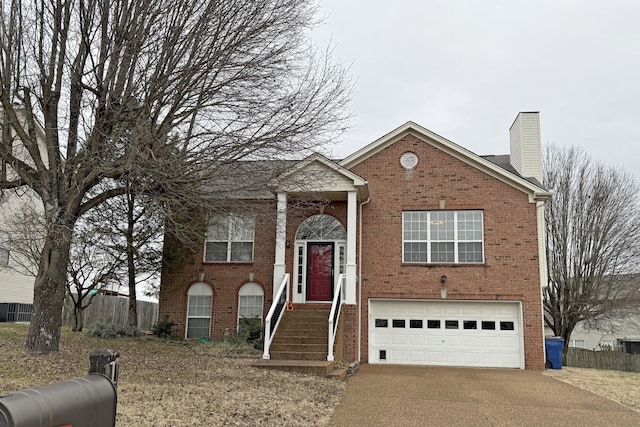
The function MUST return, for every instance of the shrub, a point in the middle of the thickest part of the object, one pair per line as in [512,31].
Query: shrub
[164,327]
[112,330]
[251,331]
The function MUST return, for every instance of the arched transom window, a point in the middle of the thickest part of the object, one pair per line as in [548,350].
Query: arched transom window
[200,298]
[321,227]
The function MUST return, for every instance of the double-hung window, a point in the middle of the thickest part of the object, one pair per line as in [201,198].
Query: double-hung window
[229,238]
[442,237]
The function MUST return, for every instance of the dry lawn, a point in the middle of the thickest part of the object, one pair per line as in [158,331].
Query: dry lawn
[621,387]
[177,383]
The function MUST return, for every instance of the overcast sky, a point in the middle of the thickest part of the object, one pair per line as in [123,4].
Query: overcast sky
[464,69]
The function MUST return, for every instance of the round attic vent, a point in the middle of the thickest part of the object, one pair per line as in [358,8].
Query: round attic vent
[409,160]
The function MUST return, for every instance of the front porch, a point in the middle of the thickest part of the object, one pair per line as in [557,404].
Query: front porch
[322,249]
[305,337]
[315,268]
[301,343]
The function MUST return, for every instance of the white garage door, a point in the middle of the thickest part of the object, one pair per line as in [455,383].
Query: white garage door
[447,333]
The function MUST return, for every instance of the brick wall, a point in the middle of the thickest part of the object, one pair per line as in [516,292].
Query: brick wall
[510,271]
[225,280]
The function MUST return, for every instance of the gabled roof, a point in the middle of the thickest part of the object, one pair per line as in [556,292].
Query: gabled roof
[317,157]
[339,175]
[507,175]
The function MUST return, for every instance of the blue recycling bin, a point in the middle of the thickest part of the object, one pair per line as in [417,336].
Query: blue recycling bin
[553,347]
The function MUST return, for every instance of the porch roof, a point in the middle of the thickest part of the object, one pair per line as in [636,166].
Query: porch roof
[321,177]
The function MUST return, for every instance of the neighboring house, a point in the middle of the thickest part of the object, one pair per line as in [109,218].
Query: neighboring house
[590,338]
[16,289]
[16,271]
[435,253]
[614,332]
[16,285]
[625,336]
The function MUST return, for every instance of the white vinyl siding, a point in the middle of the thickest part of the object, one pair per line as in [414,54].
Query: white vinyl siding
[443,237]
[4,248]
[577,343]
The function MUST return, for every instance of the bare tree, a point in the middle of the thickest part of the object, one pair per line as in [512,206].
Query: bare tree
[90,269]
[130,228]
[592,237]
[161,90]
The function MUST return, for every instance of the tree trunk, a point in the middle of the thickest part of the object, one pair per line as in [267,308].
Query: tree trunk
[131,267]
[78,319]
[133,302]
[567,336]
[49,292]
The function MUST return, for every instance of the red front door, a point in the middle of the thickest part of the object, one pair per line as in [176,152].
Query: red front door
[319,271]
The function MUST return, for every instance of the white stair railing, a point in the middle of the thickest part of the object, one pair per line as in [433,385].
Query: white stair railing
[275,315]
[334,314]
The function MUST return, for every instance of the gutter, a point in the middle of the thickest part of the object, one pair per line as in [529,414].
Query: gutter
[360,279]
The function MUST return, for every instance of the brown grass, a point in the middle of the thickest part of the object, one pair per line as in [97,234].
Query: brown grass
[621,387]
[177,383]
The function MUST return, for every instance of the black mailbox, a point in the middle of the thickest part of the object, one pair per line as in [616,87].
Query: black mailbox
[80,402]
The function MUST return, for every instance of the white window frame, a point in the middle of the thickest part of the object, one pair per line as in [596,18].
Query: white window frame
[250,289]
[199,289]
[232,221]
[428,240]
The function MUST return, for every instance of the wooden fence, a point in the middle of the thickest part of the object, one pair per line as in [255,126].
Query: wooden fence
[610,360]
[113,309]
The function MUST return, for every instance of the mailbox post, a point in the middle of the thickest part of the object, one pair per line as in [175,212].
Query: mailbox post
[105,362]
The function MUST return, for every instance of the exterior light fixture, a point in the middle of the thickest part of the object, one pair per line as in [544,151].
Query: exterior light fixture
[443,289]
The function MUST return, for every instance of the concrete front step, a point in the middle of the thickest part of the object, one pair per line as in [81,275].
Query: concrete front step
[302,335]
[338,373]
[296,355]
[298,347]
[320,368]
[304,329]
[295,339]
[307,321]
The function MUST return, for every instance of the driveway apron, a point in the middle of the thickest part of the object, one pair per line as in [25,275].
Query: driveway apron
[391,395]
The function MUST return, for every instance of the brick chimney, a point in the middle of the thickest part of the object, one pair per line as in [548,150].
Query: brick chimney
[526,151]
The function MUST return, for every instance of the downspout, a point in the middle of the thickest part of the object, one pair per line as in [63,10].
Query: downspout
[360,279]
[542,265]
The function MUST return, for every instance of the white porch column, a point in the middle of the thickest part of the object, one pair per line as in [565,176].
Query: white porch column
[279,268]
[352,208]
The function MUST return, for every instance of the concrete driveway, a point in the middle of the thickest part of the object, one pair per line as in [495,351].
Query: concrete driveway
[391,395]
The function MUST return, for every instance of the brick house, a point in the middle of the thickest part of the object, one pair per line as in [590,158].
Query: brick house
[418,252]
